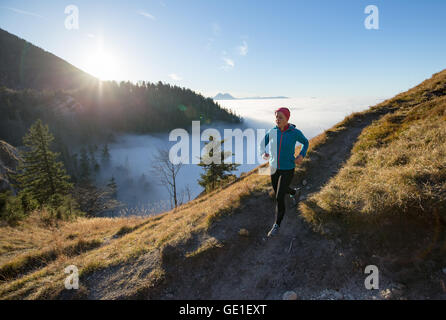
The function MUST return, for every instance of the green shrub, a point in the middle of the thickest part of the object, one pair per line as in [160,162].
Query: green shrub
[62,207]
[28,203]
[11,209]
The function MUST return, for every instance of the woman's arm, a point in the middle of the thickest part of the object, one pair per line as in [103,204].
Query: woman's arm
[264,143]
[302,139]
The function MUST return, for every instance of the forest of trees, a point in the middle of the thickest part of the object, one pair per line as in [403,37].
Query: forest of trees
[42,182]
[40,179]
[147,107]
[107,107]
[78,115]
[37,84]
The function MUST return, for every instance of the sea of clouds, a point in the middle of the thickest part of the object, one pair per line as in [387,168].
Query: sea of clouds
[132,156]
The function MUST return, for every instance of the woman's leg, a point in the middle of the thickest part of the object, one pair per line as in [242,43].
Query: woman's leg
[275,180]
[284,180]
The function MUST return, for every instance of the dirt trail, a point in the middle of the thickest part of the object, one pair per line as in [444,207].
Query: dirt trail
[298,259]
[254,267]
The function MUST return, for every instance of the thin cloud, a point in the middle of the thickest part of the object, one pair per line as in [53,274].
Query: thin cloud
[147,15]
[243,49]
[90,35]
[24,12]
[175,77]
[229,63]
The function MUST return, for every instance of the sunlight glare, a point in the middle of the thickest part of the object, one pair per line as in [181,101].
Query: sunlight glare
[102,65]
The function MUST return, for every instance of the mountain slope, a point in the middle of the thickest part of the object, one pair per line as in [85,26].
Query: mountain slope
[214,246]
[80,109]
[9,159]
[25,66]
[398,166]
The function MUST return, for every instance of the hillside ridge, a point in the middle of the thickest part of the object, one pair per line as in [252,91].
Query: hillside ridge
[215,246]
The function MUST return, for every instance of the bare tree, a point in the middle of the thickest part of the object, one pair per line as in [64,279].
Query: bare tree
[167,173]
[188,192]
[94,201]
[184,195]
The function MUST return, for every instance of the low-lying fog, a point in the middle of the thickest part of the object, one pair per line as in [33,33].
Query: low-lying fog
[132,156]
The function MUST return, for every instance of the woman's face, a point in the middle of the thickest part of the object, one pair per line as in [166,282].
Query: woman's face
[281,120]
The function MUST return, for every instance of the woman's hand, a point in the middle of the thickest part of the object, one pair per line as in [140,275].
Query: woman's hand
[299,160]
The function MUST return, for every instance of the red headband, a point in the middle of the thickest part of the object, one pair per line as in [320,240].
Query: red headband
[285,112]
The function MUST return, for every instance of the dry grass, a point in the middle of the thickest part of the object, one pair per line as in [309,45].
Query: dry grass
[29,248]
[122,240]
[397,168]
[397,164]
[34,235]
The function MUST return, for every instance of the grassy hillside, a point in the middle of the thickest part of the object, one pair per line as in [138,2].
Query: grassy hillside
[397,169]
[32,267]
[32,258]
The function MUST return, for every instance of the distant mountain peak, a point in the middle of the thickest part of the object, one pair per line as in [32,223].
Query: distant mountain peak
[227,96]
[223,96]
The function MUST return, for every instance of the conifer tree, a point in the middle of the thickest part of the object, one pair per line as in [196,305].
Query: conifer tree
[84,165]
[113,187]
[39,173]
[94,164]
[75,167]
[213,164]
[105,156]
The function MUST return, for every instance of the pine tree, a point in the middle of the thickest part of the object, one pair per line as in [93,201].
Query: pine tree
[39,173]
[75,167]
[113,187]
[94,164]
[84,165]
[105,156]
[142,182]
[215,172]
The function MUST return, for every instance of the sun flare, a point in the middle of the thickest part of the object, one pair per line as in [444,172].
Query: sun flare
[102,65]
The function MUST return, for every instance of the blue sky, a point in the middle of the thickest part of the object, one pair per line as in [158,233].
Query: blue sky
[244,47]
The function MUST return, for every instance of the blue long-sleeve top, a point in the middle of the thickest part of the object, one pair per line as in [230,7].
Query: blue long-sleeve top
[282,146]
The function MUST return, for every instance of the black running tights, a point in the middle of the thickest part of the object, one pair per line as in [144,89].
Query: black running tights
[281,180]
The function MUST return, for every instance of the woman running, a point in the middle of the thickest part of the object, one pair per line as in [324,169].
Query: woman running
[282,139]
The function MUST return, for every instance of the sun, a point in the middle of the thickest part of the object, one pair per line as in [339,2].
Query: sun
[102,65]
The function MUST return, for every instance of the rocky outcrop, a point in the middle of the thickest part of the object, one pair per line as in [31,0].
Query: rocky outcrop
[9,159]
